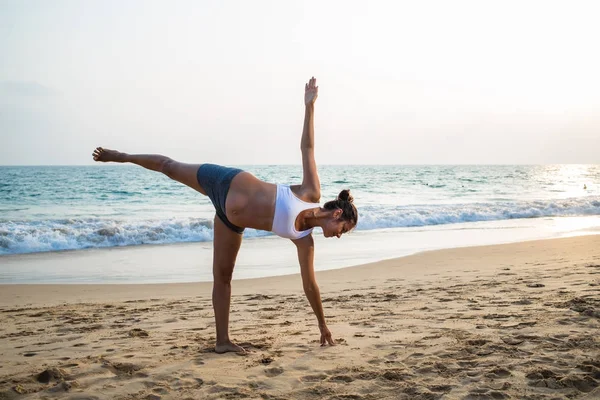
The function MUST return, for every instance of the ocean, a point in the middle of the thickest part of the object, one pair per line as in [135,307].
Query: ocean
[49,209]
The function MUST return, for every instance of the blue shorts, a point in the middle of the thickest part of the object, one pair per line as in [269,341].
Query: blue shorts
[215,180]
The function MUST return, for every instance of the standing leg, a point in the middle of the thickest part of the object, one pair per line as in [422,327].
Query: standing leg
[181,172]
[226,245]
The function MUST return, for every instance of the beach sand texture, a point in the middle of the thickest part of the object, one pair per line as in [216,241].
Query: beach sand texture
[516,321]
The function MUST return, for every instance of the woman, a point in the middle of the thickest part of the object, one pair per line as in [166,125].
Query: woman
[243,201]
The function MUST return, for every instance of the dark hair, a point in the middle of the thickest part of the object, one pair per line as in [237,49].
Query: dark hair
[345,203]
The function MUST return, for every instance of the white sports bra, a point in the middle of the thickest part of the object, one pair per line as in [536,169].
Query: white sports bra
[287,208]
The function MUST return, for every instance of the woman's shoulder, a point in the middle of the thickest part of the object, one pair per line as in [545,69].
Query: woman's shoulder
[308,196]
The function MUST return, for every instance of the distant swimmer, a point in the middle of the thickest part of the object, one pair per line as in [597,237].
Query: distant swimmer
[584,187]
[242,201]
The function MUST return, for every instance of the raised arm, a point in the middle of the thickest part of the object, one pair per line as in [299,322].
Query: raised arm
[311,186]
[306,254]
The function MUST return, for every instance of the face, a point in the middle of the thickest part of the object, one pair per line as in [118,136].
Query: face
[336,227]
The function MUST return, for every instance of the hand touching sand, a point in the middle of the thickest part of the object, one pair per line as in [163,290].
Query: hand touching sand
[326,336]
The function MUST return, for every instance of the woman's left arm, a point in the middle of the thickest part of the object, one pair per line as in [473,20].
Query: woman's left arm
[311,186]
[306,253]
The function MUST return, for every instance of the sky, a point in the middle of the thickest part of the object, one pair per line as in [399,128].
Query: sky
[400,82]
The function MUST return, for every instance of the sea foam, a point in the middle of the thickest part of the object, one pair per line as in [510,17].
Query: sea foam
[29,236]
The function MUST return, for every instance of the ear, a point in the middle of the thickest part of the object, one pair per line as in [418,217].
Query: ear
[337,213]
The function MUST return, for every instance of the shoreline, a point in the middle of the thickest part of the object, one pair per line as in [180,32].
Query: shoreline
[38,293]
[271,256]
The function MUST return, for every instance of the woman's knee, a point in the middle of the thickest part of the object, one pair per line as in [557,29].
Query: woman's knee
[166,167]
[222,277]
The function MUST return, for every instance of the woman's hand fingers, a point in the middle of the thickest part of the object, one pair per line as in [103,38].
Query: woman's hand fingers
[330,340]
[311,91]
[327,340]
[326,337]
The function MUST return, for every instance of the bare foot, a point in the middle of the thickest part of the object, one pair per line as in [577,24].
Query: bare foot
[106,155]
[229,346]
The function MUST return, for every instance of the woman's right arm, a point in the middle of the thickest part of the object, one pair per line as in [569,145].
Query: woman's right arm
[306,256]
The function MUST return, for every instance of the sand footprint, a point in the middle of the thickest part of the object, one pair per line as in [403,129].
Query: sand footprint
[498,373]
[274,371]
[314,378]
[341,379]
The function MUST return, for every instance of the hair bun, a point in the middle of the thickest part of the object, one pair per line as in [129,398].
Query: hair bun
[345,196]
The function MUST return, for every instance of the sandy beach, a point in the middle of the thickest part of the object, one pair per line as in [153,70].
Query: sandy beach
[513,321]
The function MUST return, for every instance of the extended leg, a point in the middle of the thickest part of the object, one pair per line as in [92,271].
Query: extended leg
[181,172]
[226,245]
